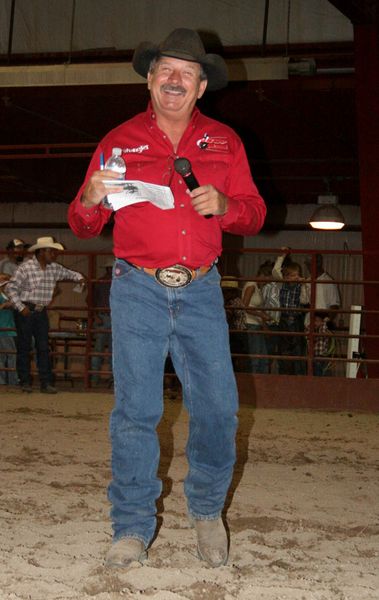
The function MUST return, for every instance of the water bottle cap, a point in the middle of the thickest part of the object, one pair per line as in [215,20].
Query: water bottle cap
[116,151]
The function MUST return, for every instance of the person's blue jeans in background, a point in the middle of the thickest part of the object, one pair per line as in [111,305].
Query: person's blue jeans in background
[34,326]
[148,321]
[103,341]
[8,360]
[321,368]
[257,345]
[291,345]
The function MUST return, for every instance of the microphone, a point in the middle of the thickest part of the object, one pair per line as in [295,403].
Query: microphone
[184,168]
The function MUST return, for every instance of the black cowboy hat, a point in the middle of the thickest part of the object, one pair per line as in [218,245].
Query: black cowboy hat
[184,44]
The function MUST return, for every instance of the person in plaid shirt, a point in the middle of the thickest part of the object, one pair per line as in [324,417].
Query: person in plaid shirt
[294,294]
[321,343]
[31,290]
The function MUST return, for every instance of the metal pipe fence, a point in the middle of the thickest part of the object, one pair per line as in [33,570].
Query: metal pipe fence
[352,337]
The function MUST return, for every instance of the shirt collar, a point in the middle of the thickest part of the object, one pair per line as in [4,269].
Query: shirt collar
[151,116]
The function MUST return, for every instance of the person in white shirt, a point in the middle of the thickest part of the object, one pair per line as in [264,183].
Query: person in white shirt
[327,294]
[256,318]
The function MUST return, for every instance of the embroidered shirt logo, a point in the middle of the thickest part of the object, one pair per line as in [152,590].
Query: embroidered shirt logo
[137,150]
[213,144]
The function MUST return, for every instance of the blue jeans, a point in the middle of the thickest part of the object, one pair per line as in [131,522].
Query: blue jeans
[8,360]
[35,325]
[148,322]
[291,345]
[257,345]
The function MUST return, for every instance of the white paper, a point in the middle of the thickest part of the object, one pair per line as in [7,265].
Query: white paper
[139,191]
[78,288]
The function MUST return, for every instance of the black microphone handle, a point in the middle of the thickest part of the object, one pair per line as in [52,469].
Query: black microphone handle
[192,183]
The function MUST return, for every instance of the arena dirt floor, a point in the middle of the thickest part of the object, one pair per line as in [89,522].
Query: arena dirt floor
[302,511]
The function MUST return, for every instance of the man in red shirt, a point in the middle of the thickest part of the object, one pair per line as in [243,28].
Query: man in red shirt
[166,295]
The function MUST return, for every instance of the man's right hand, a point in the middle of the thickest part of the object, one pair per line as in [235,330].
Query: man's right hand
[26,311]
[95,190]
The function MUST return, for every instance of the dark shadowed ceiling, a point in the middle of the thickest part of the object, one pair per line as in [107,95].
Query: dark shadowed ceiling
[300,133]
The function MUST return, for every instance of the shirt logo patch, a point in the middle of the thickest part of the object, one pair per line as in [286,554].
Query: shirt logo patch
[137,150]
[213,144]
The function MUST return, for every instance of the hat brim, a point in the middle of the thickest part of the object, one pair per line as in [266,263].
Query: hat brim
[55,245]
[213,64]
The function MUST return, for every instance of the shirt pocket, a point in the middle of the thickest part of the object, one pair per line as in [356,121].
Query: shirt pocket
[140,168]
[212,170]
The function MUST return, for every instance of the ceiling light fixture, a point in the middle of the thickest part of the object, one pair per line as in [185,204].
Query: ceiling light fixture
[327,216]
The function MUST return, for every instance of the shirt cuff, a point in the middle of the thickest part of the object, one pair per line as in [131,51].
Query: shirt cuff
[231,214]
[85,211]
[86,218]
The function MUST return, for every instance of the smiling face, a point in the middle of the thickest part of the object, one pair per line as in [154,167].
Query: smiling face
[174,86]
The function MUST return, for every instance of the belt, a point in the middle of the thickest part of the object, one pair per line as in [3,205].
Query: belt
[174,276]
[34,307]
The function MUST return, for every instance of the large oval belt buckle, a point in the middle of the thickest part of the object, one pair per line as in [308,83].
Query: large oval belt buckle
[174,277]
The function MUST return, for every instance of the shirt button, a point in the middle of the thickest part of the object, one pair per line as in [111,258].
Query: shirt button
[182,206]
[184,232]
[88,215]
[184,258]
[180,181]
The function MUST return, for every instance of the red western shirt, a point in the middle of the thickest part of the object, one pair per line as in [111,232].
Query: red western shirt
[150,237]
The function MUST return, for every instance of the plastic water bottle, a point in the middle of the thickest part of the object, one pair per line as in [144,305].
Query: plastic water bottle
[117,164]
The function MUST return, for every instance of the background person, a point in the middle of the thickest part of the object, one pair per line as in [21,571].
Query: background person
[15,255]
[166,295]
[255,319]
[293,294]
[322,344]
[31,290]
[327,294]
[270,295]
[7,338]
[236,317]
[102,321]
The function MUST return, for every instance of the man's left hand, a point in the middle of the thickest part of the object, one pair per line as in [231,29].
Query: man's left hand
[207,200]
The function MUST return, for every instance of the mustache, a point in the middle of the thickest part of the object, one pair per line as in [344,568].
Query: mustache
[168,87]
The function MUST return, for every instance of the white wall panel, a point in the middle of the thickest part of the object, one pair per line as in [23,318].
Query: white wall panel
[45,25]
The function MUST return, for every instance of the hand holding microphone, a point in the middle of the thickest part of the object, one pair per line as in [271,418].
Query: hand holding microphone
[183,167]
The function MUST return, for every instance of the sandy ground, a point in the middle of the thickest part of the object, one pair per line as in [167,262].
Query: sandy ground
[302,512]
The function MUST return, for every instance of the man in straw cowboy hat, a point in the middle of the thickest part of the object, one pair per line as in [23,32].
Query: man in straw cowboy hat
[166,295]
[31,290]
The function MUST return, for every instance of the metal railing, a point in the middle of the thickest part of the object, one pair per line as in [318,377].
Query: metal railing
[355,354]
